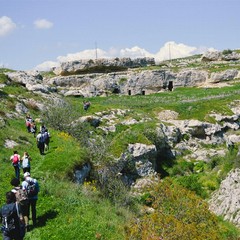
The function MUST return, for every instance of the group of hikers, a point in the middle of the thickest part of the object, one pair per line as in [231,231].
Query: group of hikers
[21,200]
[43,136]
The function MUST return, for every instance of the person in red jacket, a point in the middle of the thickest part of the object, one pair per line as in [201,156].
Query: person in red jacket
[15,158]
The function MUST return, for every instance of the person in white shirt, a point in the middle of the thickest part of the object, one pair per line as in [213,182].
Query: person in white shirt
[27,185]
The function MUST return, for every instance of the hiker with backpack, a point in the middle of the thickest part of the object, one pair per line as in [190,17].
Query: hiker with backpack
[86,105]
[12,219]
[21,199]
[32,187]
[15,158]
[42,128]
[28,122]
[40,142]
[26,162]
[46,136]
[33,128]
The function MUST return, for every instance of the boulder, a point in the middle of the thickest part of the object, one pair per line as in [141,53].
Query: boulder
[40,88]
[82,173]
[24,78]
[10,143]
[233,56]
[223,76]
[21,108]
[211,56]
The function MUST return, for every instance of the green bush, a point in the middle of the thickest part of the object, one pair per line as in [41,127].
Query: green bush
[192,183]
[227,51]
[178,214]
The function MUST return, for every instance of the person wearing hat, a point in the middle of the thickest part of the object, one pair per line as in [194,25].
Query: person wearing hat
[32,187]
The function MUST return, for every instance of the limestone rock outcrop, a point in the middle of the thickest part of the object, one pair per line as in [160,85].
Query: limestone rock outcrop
[220,56]
[223,76]
[76,79]
[84,65]
[226,201]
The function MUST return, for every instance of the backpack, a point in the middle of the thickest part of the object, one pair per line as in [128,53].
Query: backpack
[8,218]
[41,139]
[32,189]
[21,196]
[15,159]
[25,162]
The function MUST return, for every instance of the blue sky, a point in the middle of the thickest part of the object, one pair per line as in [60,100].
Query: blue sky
[45,32]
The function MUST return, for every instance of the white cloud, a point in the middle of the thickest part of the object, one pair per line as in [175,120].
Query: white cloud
[46,66]
[135,52]
[43,24]
[170,50]
[6,26]
[86,54]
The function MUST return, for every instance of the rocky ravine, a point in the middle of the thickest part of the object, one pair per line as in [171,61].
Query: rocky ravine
[144,159]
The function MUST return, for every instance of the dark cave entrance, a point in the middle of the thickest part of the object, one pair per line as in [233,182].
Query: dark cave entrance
[170,85]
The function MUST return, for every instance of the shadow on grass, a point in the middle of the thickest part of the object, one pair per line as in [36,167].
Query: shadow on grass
[51,214]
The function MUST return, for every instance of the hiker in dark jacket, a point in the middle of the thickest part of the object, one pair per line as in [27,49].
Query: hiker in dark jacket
[11,225]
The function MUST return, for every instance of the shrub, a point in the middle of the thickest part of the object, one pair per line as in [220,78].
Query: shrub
[178,214]
[192,183]
[59,116]
[226,51]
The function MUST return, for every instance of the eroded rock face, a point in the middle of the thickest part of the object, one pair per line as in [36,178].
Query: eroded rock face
[81,174]
[82,65]
[219,56]
[24,78]
[226,201]
[223,76]
[211,56]
[128,82]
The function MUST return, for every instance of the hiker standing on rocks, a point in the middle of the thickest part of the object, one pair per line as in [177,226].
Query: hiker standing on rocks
[15,158]
[32,187]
